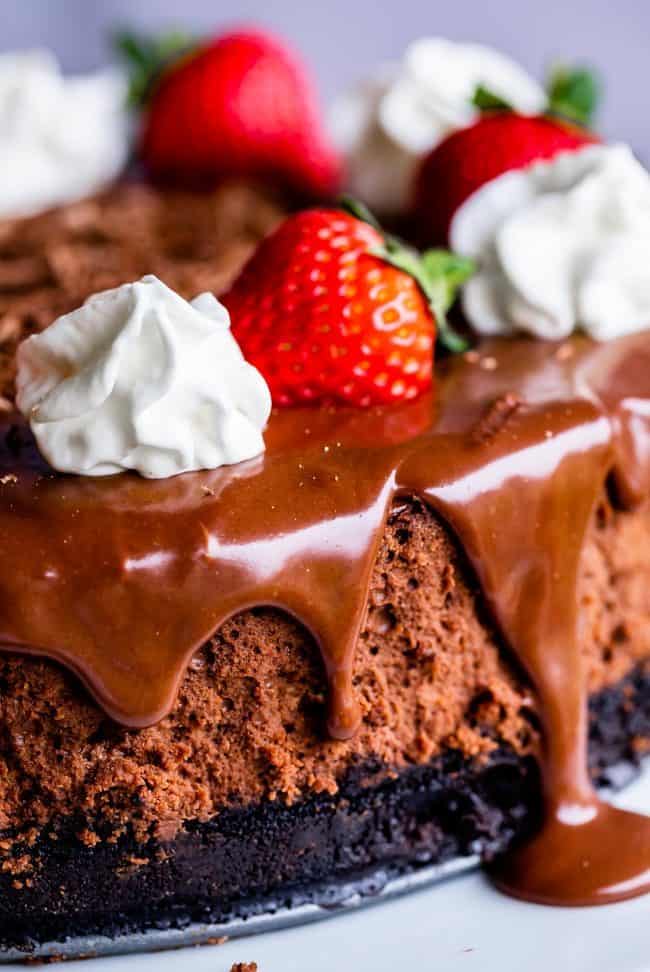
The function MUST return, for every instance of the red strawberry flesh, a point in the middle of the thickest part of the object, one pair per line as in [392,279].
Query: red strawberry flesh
[241,106]
[326,320]
[473,156]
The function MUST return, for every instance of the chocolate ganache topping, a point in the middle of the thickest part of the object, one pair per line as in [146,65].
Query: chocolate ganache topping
[121,579]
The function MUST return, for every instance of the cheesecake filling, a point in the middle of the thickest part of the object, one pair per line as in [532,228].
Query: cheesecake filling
[122,578]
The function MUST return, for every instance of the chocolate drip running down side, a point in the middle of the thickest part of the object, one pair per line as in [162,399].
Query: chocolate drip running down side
[122,579]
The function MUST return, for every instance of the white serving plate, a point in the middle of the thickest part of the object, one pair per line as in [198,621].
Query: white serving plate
[461,925]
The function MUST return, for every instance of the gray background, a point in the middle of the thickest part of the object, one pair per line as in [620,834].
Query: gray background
[342,39]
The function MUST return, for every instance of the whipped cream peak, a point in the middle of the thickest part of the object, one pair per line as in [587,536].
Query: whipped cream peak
[60,138]
[387,123]
[561,245]
[139,378]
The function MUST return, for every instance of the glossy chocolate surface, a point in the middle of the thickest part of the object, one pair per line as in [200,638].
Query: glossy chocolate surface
[122,579]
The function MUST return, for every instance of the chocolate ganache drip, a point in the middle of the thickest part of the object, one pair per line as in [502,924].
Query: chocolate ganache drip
[122,579]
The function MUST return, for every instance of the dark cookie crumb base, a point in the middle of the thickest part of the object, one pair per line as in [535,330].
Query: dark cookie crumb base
[258,859]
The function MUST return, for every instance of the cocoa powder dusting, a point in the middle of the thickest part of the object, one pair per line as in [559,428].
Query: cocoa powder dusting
[50,263]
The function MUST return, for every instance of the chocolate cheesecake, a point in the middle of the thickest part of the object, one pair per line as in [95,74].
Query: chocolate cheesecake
[50,263]
[388,642]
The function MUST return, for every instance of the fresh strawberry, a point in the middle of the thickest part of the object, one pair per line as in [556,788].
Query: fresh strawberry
[472,156]
[329,310]
[240,106]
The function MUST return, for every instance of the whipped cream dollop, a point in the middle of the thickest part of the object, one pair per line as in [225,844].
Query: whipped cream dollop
[138,378]
[560,245]
[60,138]
[387,123]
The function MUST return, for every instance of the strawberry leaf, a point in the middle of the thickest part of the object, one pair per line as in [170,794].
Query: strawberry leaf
[360,211]
[574,93]
[147,57]
[438,273]
[445,273]
[454,270]
[486,100]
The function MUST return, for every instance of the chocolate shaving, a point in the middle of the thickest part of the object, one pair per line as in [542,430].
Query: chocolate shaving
[495,418]
[50,264]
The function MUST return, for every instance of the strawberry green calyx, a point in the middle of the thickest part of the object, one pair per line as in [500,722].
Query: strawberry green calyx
[360,211]
[574,93]
[147,57]
[486,100]
[438,272]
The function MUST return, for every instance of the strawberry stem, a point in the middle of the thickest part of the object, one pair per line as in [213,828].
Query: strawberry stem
[439,273]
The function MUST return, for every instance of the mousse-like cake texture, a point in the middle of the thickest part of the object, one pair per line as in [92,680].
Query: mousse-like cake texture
[289,678]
